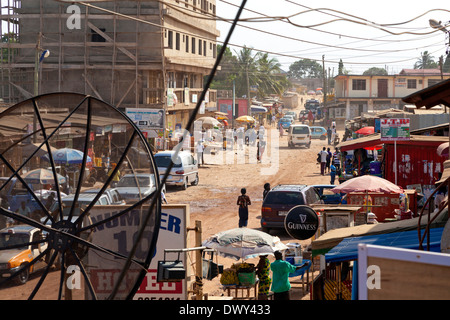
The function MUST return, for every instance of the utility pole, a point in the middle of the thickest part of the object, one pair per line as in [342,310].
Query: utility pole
[325,90]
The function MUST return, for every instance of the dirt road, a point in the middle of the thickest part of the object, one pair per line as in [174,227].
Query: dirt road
[213,201]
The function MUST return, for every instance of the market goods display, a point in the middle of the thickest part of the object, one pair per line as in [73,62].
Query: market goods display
[229,277]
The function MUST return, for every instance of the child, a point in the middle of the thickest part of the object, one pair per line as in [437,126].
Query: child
[332,173]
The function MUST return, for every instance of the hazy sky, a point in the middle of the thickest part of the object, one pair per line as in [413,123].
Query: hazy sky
[363,34]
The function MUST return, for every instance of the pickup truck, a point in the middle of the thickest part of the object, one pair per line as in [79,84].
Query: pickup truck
[12,259]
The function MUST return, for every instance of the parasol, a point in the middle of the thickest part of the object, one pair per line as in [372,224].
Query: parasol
[68,156]
[442,150]
[43,176]
[366,130]
[367,183]
[209,121]
[244,243]
[246,119]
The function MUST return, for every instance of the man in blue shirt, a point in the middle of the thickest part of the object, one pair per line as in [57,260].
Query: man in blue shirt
[280,277]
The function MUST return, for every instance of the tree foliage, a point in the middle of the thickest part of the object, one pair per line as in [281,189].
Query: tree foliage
[305,68]
[426,61]
[375,71]
[249,69]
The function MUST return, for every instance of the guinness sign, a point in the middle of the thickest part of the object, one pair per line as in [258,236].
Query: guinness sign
[301,222]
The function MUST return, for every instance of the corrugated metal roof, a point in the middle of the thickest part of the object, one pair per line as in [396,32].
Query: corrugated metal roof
[347,249]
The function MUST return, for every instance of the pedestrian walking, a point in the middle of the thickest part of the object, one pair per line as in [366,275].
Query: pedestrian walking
[337,158]
[332,173]
[280,277]
[329,132]
[243,202]
[266,190]
[329,157]
[199,153]
[323,160]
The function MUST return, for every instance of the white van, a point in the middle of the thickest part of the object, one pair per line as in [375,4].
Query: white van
[184,170]
[299,134]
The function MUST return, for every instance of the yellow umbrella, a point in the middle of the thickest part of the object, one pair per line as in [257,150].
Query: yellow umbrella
[246,119]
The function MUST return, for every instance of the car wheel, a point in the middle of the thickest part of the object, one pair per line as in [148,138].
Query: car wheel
[195,182]
[309,145]
[23,276]
[184,186]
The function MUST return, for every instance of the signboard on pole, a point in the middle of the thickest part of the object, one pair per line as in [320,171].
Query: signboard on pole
[394,129]
[147,119]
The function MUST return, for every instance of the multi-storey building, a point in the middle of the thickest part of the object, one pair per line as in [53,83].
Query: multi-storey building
[356,94]
[131,54]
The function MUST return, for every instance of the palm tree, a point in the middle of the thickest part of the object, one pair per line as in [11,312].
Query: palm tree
[270,78]
[426,61]
[247,72]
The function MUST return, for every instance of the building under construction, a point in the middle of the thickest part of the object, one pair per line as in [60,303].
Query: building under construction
[131,54]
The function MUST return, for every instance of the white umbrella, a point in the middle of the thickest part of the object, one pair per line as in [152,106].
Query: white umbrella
[209,121]
[244,243]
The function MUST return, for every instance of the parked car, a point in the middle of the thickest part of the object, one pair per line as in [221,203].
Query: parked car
[299,134]
[16,193]
[283,198]
[291,113]
[290,116]
[184,170]
[12,259]
[133,187]
[285,122]
[318,133]
[84,200]
[328,196]
[112,194]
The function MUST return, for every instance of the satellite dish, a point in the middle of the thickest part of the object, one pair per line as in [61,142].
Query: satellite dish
[85,249]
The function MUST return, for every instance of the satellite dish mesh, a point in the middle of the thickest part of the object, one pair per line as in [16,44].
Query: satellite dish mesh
[54,147]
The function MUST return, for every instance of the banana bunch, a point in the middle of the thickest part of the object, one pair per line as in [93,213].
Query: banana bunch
[229,276]
[244,267]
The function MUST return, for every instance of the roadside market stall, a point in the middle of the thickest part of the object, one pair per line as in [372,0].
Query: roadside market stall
[338,249]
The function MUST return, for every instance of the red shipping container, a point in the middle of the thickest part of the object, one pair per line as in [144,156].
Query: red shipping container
[418,163]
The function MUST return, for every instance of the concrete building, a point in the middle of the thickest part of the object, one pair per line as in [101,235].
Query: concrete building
[357,94]
[130,54]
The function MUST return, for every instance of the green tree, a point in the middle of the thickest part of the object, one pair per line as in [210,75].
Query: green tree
[223,79]
[426,61]
[305,68]
[446,66]
[374,71]
[270,79]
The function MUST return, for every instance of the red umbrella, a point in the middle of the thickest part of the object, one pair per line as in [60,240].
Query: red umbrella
[442,150]
[366,130]
[367,183]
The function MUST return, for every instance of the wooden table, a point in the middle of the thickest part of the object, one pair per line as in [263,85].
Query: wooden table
[242,289]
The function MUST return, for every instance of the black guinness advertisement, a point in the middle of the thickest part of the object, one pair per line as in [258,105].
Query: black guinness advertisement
[301,222]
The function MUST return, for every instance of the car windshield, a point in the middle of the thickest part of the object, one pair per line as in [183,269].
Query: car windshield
[300,130]
[164,162]
[8,239]
[131,182]
[284,197]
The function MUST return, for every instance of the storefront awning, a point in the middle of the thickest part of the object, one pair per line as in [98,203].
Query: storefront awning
[332,238]
[348,248]
[375,139]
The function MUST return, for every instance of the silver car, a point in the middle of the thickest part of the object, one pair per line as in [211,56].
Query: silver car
[134,187]
[184,170]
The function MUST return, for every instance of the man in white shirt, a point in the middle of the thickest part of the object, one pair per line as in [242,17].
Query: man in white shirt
[323,160]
